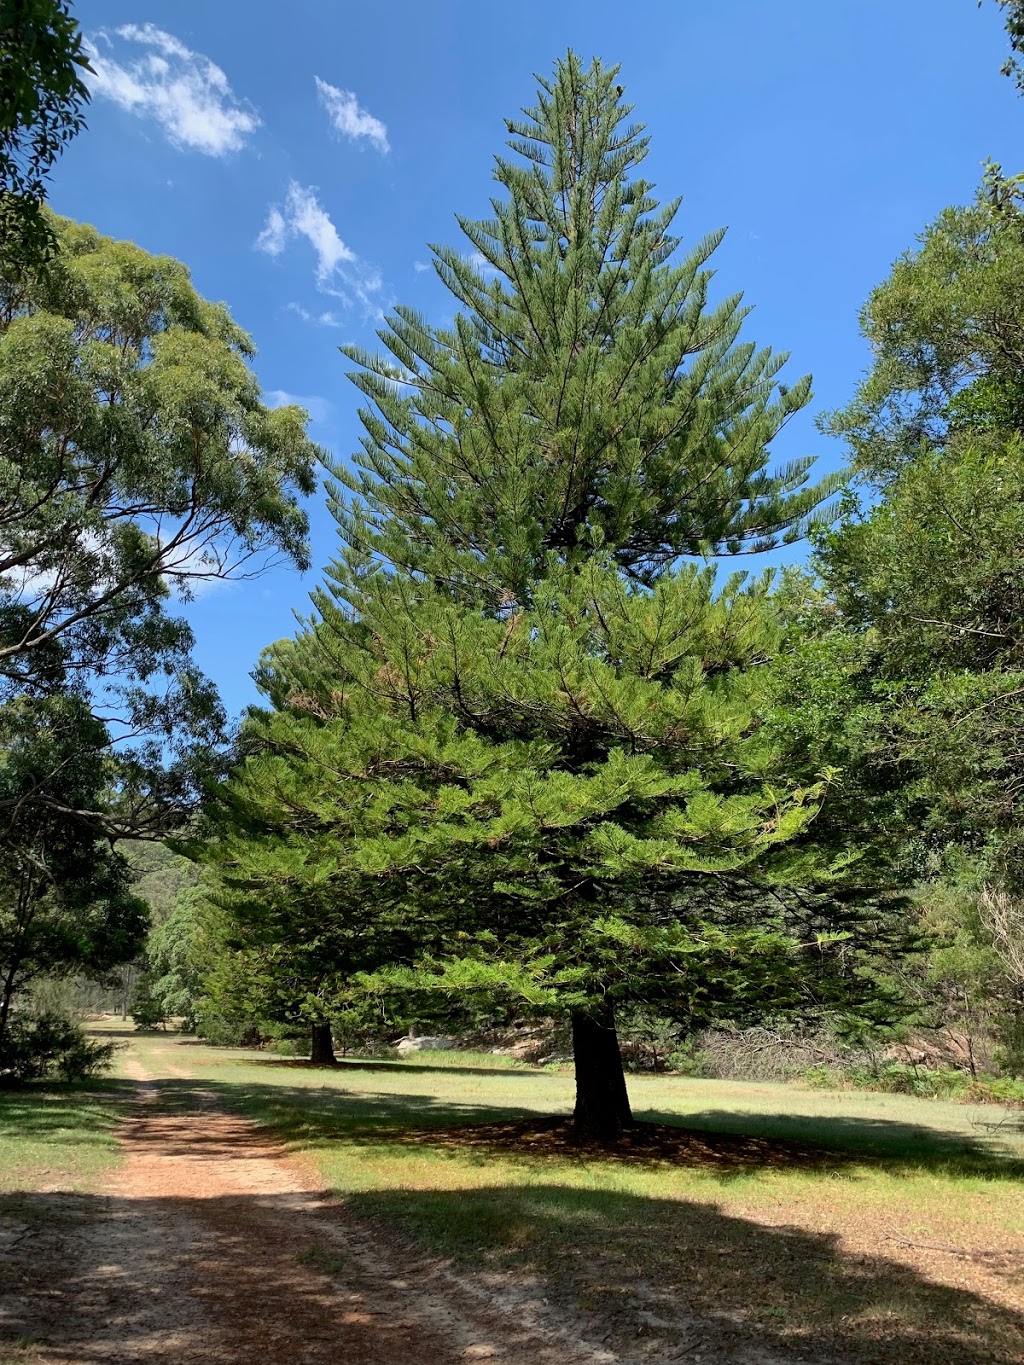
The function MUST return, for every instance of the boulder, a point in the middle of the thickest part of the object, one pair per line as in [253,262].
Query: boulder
[427,1045]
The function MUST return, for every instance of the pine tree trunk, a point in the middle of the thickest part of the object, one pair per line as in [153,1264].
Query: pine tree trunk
[602,1103]
[321,1050]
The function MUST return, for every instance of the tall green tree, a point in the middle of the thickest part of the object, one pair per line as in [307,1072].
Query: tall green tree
[946,331]
[928,575]
[42,100]
[919,634]
[922,574]
[66,903]
[138,462]
[526,725]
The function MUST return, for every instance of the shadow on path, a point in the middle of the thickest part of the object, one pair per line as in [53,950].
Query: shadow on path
[89,1279]
[704,1280]
[244,1278]
[226,1264]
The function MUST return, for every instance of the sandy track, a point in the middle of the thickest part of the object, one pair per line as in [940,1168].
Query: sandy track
[210,1244]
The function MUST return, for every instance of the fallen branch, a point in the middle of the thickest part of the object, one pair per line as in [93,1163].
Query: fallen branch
[900,1240]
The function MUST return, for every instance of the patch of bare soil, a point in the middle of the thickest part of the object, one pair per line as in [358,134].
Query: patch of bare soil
[210,1245]
[645,1142]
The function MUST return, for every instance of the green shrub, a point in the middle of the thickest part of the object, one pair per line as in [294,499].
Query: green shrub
[998,1090]
[228,1032]
[900,1078]
[288,1047]
[689,1059]
[49,1047]
[147,1010]
[822,1078]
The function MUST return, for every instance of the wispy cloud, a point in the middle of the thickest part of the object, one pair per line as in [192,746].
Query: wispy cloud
[302,216]
[340,273]
[327,318]
[274,236]
[482,265]
[187,94]
[318,408]
[349,119]
[420,266]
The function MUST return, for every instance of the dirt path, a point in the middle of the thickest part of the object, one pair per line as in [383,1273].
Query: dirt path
[210,1244]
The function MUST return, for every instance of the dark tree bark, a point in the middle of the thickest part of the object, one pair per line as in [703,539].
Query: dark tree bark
[602,1102]
[5,1001]
[321,1050]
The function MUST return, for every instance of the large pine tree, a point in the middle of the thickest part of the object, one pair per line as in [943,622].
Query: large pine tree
[525,721]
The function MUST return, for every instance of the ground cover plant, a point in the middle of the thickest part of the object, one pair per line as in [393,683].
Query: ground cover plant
[882,1224]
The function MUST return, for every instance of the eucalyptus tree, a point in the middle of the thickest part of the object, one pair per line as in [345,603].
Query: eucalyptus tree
[138,463]
[43,95]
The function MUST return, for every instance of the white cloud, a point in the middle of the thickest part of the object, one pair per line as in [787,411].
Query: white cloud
[302,216]
[318,408]
[348,118]
[325,319]
[420,266]
[340,273]
[309,220]
[186,93]
[482,265]
[275,233]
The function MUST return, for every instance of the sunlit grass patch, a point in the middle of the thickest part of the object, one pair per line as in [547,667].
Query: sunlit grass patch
[795,1214]
[59,1137]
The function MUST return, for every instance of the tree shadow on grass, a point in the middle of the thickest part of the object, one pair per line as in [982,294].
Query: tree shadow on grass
[71,1115]
[888,1143]
[726,1140]
[219,1279]
[321,1117]
[394,1065]
[675,1269]
[727,1144]
[704,1280]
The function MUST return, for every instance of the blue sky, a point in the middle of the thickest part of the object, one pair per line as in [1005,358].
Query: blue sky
[300,157]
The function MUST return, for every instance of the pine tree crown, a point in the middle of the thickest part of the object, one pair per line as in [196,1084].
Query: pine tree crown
[587,393]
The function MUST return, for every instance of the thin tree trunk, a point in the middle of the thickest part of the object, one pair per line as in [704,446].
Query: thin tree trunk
[5,1002]
[321,1049]
[16,953]
[602,1102]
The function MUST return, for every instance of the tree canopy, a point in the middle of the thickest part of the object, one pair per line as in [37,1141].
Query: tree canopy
[42,100]
[137,462]
[66,903]
[524,723]
[922,581]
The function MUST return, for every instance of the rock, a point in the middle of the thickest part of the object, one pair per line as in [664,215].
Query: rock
[427,1045]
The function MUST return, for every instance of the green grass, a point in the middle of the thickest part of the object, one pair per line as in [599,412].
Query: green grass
[59,1137]
[57,1145]
[799,1251]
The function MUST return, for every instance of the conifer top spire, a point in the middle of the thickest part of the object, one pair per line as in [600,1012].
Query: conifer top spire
[587,392]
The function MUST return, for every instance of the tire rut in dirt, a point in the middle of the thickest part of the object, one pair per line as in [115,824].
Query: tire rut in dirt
[211,1246]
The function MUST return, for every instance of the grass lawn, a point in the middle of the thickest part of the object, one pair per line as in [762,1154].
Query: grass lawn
[879,1228]
[57,1145]
[59,1137]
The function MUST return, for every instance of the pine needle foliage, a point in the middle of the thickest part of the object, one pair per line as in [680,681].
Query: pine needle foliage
[587,392]
[519,747]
